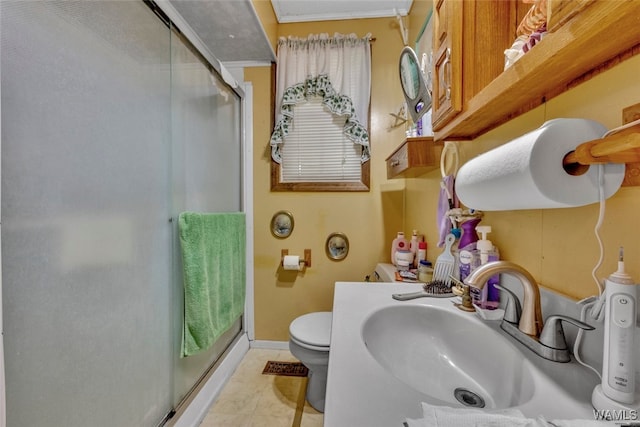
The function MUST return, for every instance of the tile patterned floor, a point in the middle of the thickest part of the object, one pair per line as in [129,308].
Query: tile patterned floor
[251,399]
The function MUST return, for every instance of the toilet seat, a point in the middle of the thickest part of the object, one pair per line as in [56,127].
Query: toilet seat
[312,331]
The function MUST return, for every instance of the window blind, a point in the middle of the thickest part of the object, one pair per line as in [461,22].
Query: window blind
[316,149]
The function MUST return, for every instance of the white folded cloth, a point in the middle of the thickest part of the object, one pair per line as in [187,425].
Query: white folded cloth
[573,423]
[444,416]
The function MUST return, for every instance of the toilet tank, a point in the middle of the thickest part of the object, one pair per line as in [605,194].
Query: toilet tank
[385,273]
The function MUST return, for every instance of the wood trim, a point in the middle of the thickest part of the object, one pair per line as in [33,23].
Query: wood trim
[561,11]
[632,171]
[363,185]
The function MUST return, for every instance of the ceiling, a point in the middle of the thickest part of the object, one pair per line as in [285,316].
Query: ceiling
[230,29]
[233,33]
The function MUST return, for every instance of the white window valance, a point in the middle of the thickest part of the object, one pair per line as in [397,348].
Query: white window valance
[337,69]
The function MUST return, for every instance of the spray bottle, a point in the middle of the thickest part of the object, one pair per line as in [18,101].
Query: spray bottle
[466,259]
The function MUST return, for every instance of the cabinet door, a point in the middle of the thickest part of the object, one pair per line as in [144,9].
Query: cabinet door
[447,61]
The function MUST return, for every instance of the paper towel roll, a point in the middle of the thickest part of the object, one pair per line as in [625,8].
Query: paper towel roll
[291,262]
[527,173]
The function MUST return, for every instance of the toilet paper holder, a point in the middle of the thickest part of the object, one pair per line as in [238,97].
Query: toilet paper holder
[305,262]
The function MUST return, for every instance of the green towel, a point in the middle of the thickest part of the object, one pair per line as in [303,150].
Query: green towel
[213,258]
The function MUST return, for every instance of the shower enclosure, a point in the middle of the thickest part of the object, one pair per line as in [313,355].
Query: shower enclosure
[112,124]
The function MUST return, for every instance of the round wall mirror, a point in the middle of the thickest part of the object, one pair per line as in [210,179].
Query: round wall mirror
[414,85]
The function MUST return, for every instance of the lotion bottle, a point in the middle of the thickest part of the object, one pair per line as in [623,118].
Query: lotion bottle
[618,367]
[422,252]
[398,244]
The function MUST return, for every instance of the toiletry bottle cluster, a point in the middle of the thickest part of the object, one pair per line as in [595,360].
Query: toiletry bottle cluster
[474,252]
[407,254]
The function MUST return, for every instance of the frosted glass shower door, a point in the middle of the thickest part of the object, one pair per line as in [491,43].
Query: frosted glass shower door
[86,236]
[207,174]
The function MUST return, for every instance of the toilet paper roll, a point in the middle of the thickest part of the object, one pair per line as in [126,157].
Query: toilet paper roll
[291,262]
[527,172]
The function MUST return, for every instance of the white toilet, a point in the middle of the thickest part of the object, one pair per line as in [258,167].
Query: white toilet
[309,338]
[385,273]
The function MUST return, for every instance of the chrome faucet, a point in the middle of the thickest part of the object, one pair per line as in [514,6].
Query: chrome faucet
[547,342]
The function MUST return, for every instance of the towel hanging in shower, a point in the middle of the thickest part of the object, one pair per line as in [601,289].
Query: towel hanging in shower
[213,258]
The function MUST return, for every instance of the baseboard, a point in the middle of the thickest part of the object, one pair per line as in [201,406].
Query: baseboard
[197,409]
[270,345]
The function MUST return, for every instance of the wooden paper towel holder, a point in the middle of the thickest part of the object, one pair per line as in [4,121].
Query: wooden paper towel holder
[622,146]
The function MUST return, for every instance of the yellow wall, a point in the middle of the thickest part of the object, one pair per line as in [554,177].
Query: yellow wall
[557,246]
[369,219]
[420,9]
[268,19]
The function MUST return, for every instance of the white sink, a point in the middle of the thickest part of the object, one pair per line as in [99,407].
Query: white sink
[388,356]
[438,351]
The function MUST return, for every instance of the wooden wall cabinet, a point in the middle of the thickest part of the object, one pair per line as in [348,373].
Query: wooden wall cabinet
[468,50]
[447,61]
[586,36]
[414,157]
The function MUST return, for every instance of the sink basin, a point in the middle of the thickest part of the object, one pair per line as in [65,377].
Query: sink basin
[453,358]
[389,356]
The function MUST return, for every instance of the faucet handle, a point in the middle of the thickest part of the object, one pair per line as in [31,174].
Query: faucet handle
[512,309]
[466,304]
[552,334]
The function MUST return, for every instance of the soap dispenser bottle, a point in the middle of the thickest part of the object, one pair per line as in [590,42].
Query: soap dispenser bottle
[618,370]
[490,296]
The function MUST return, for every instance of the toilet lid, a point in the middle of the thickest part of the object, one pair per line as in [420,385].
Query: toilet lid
[312,329]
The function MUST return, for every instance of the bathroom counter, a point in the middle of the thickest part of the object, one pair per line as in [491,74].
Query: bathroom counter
[361,392]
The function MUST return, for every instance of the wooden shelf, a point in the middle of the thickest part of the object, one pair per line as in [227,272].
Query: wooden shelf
[601,31]
[414,157]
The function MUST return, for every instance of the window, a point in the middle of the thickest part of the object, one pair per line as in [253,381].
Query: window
[320,140]
[318,154]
